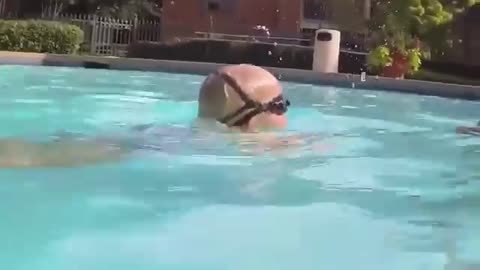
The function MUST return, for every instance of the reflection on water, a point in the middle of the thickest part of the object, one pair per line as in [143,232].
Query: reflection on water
[383,182]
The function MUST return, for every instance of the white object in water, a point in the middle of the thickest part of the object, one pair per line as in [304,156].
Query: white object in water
[326,51]
[363,76]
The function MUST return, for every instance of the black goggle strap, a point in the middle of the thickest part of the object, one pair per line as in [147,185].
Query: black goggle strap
[234,85]
[277,105]
[247,117]
[249,104]
[236,113]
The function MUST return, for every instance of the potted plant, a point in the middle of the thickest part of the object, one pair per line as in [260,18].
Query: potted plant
[398,55]
[395,51]
[393,63]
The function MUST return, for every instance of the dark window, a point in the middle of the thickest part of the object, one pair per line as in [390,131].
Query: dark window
[223,6]
[316,9]
[213,6]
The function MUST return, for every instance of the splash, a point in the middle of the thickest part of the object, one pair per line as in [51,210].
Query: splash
[262,28]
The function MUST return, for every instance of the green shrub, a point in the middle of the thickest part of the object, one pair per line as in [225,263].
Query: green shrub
[39,36]
[379,58]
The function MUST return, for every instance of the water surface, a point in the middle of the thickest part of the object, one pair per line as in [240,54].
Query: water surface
[395,189]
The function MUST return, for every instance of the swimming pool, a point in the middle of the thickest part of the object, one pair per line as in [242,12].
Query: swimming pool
[398,189]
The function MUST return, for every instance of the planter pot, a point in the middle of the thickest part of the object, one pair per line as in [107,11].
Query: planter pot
[399,67]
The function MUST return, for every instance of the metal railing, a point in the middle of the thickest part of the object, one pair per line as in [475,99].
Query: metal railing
[109,36]
[265,39]
[352,43]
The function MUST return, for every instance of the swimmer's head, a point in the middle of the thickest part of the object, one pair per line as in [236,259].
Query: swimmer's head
[243,96]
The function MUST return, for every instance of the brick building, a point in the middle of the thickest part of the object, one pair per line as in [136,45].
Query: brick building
[4,7]
[283,17]
[183,17]
[471,36]
[20,8]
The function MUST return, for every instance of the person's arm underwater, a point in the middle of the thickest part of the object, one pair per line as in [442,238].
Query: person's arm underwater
[60,153]
[267,142]
[469,130]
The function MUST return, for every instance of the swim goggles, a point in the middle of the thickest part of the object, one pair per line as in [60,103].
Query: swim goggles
[278,105]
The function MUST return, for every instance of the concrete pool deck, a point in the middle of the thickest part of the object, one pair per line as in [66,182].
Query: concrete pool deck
[201,68]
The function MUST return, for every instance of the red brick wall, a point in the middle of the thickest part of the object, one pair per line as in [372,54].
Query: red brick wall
[4,7]
[472,36]
[183,17]
[10,7]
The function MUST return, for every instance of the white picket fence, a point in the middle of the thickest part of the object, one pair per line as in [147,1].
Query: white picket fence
[110,36]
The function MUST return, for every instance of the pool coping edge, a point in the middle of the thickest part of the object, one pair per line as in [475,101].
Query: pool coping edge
[468,92]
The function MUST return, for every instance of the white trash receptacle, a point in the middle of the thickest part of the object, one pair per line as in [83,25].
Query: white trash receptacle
[326,51]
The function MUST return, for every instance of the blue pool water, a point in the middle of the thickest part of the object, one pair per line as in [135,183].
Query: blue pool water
[394,189]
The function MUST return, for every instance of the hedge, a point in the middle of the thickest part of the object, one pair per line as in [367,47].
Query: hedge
[40,36]
[236,52]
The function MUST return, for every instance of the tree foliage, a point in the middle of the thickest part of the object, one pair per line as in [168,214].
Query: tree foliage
[116,8]
[413,16]
[126,8]
[398,22]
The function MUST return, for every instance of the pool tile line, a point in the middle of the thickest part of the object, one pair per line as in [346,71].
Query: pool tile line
[201,68]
